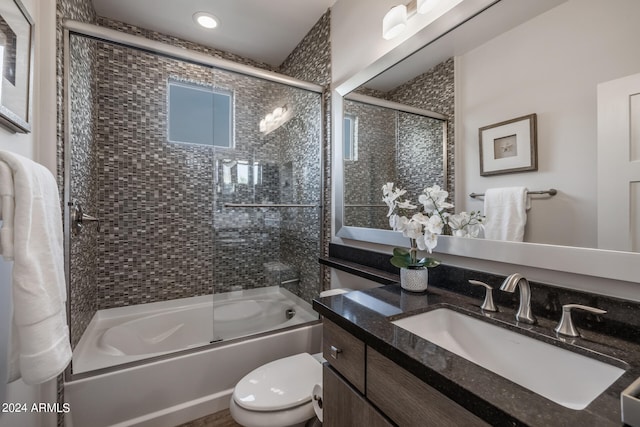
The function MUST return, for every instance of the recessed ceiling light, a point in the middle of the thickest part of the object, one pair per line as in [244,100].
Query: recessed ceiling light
[205,19]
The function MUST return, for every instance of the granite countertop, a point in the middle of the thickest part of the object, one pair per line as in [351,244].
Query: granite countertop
[368,315]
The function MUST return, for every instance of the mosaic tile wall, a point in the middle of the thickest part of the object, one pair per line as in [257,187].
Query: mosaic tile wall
[394,147]
[169,274]
[166,231]
[375,165]
[434,91]
[84,185]
[311,61]
[80,285]
[419,153]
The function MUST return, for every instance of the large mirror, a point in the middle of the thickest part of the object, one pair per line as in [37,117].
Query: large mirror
[508,62]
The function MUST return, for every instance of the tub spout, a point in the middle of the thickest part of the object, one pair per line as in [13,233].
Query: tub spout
[524,313]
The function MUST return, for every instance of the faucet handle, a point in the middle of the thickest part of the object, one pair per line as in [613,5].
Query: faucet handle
[488,304]
[565,327]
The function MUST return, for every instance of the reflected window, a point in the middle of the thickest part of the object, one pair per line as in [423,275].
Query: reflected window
[350,130]
[243,172]
[200,114]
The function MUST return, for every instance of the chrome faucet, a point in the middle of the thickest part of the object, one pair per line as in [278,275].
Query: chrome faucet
[565,327]
[524,314]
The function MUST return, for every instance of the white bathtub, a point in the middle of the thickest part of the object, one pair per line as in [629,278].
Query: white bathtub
[125,334]
[174,390]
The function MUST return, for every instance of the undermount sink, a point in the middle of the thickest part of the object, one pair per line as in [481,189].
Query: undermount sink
[567,378]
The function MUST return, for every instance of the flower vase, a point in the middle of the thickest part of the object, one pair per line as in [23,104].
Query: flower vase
[414,279]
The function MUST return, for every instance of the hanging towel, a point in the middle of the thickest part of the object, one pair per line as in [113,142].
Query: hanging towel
[506,213]
[6,211]
[40,347]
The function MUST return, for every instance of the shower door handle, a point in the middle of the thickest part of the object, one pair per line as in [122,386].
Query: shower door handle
[78,218]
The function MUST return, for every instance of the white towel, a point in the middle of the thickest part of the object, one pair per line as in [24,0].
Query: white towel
[40,348]
[506,213]
[6,211]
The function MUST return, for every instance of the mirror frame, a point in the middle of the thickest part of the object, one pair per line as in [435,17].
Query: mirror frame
[597,263]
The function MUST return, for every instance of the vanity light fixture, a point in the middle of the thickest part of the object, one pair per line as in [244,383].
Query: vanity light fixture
[275,119]
[205,19]
[426,6]
[395,21]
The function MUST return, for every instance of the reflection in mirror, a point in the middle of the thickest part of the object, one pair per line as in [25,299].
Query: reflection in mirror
[383,143]
[518,58]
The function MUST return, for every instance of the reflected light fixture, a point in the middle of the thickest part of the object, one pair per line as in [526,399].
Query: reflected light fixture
[205,19]
[395,21]
[275,119]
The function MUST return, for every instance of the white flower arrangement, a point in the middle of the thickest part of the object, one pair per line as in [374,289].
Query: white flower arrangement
[423,227]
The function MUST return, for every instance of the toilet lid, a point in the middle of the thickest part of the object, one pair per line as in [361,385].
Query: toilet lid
[281,384]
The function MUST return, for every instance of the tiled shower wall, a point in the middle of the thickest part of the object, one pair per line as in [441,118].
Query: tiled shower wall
[165,232]
[434,91]
[391,146]
[374,165]
[82,295]
[159,208]
[311,61]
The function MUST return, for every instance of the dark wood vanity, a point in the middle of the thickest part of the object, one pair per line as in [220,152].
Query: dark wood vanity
[363,387]
[378,374]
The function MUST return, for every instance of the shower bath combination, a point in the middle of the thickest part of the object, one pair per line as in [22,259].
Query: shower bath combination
[209,228]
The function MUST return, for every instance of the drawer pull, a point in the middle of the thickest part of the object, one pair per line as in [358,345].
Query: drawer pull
[334,351]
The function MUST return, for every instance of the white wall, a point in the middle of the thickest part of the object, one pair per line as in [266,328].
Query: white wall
[550,66]
[358,50]
[39,145]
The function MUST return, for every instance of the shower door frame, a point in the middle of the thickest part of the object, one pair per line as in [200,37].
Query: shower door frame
[91,31]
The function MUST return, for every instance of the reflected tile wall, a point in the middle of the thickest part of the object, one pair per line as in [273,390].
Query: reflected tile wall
[375,164]
[434,91]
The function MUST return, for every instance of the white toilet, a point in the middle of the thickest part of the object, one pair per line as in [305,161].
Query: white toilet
[278,394]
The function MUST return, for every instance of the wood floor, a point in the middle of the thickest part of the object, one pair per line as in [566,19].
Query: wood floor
[219,419]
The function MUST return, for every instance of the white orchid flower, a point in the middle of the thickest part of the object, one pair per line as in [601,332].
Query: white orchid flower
[406,204]
[386,188]
[430,240]
[427,203]
[398,223]
[413,230]
[435,224]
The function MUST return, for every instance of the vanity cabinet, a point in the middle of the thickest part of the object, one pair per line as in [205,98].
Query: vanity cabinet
[343,406]
[370,385]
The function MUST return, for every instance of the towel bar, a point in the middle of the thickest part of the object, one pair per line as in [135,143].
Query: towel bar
[551,192]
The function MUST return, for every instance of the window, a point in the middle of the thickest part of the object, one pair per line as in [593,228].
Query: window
[200,114]
[349,138]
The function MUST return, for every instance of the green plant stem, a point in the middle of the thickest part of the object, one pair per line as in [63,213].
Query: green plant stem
[414,251]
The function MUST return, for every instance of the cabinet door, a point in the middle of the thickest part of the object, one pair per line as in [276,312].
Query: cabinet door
[409,401]
[344,352]
[343,406]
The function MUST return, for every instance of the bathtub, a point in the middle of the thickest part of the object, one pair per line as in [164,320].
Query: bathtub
[174,385]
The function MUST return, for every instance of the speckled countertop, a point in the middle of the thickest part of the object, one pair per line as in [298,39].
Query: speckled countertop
[368,315]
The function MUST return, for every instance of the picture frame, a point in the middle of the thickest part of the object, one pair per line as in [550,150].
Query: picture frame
[16,66]
[509,147]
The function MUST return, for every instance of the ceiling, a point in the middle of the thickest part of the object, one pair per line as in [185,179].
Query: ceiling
[265,31]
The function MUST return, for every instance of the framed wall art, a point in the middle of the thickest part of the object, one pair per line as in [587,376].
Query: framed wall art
[509,146]
[16,57]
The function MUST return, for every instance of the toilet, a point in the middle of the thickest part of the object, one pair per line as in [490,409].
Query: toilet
[278,394]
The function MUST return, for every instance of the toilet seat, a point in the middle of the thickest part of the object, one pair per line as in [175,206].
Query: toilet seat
[279,385]
[297,416]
